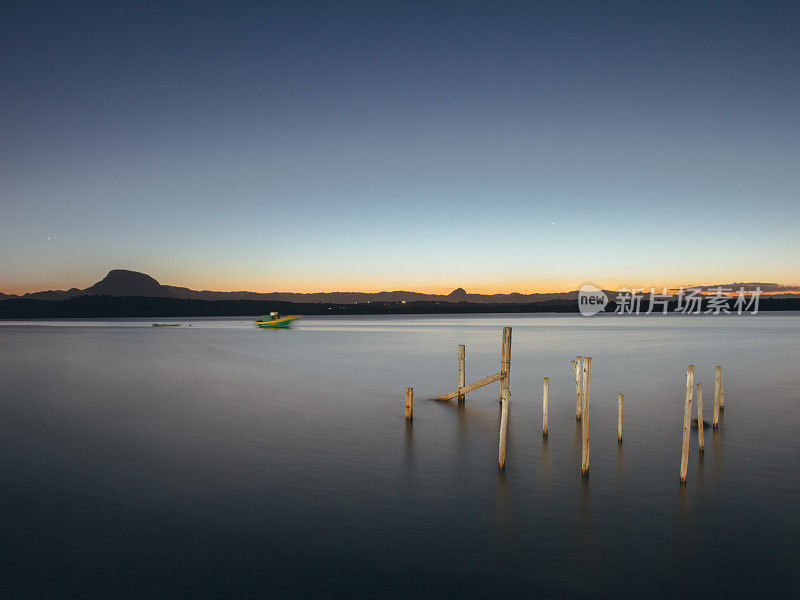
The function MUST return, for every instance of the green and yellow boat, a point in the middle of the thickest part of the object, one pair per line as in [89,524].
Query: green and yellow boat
[275,321]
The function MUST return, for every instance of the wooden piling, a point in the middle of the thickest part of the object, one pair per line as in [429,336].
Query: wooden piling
[577,367]
[545,402]
[501,458]
[462,370]
[721,390]
[701,442]
[409,403]
[586,416]
[505,359]
[505,393]
[619,418]
[505,365]
[717,385]
[687,421]
[502,362]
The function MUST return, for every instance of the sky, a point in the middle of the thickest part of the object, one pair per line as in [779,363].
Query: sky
[313,146]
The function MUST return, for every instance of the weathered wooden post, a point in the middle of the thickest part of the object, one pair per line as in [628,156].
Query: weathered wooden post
[619,418]
[462,370]
[577,367]
[687,421]
[701,442]
[505,365]
[409,403]
[505,394]
[721,390]
[586,416]
[501,458]
[717,385]
[545,402]
[505,359]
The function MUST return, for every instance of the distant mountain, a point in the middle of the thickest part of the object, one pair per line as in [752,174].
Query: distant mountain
[775,290]
[54,294]
[457,295]
[121,282]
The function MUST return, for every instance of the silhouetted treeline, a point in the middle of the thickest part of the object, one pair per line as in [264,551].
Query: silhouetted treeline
[134,306]
[765,304]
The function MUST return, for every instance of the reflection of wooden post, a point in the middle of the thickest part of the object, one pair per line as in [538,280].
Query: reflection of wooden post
[462,370]
[619,418]
[505,393]
[409,403]
[545,401]
[585,418]
[577,367]
[717,384]
[701,442]
[687,421]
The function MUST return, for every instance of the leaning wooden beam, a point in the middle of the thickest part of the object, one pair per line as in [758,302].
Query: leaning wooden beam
[687,421]
[472,386]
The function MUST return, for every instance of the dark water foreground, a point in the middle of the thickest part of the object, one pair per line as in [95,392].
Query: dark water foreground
[221,460]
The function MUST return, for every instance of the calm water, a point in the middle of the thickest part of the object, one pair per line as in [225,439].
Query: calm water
[223,460]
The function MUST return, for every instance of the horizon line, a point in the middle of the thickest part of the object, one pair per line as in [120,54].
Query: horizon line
[445,291]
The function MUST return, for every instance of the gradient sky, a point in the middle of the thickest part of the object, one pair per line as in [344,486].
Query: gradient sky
[365,146]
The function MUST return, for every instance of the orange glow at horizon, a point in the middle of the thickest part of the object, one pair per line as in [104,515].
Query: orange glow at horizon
[542,286]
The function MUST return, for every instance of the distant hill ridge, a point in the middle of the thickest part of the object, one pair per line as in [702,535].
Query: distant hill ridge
[121,282]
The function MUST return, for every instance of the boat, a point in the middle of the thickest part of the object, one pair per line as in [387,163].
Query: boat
[166,324]
[275,321]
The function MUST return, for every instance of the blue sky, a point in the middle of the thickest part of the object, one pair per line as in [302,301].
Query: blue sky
[313,146]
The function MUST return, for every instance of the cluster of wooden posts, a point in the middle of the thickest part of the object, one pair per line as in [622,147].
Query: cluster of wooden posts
[582,371]
[719,404]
